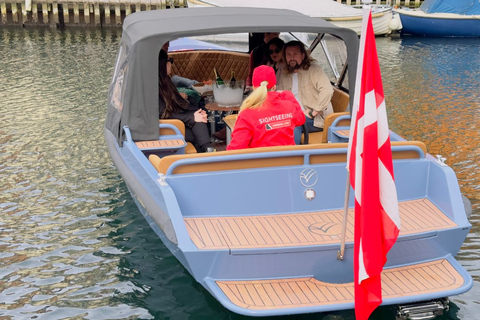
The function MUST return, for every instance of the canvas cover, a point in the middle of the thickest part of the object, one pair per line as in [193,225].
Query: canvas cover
[465,7]
[133,95]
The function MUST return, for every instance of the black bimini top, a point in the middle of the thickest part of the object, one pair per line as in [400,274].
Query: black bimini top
[133,98]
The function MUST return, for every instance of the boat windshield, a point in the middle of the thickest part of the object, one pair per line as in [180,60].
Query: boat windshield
[330,52]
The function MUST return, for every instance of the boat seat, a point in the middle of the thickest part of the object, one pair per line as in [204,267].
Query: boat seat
[322,136]
[199,64]
[182,167]
[341,123]
[170,141]
[340,101]
[164,131]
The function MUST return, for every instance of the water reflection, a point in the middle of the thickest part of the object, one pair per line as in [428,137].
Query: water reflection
[72,243]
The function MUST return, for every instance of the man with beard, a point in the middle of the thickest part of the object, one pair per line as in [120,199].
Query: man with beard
[308,83]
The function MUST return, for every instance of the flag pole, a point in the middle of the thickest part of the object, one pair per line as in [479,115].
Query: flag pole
[341,252]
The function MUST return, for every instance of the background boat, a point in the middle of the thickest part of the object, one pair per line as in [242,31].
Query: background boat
[337,13]
[442,18]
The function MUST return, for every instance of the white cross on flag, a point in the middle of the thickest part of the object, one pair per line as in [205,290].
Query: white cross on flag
[377,222]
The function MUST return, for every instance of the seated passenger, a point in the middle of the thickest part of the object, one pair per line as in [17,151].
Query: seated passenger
[266,118]
[275,60]
[309,84]
[179,82]
[259,55]
[172,105]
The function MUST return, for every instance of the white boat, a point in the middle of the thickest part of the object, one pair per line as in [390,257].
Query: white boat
[337,13]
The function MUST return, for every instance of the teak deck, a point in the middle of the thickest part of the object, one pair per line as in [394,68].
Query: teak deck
[302,229]
[160,144]
[423,278]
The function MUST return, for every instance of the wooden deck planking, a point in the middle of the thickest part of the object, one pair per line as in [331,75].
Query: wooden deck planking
[158,144]
[302,229]
[304,292]
[344,133]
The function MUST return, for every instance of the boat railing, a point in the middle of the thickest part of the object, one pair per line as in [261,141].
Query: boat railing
[271,157]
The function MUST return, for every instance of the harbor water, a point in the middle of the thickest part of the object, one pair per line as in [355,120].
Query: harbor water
[73,244]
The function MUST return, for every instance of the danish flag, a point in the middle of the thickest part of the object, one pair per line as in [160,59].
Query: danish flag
[377,221]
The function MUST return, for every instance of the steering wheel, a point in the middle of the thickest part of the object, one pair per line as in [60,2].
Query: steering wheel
[305,134]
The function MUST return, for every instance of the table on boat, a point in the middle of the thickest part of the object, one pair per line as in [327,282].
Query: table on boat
[214,109]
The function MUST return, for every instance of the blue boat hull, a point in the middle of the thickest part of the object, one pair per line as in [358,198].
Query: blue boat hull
[439,27]
[169,202]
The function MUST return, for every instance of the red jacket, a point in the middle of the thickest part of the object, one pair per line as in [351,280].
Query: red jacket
[271,124]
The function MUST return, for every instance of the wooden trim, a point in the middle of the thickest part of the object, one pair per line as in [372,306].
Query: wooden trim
[160,144]
[418,279]
[344,133]
[287,160]
[302,229]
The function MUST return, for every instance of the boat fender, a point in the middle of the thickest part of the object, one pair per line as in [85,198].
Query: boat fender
[468,206]
[395,24]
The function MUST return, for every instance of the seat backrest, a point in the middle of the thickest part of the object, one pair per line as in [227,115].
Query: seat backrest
[328,122]
[168,131]
[410,150]
[155,161]
[340,100]
[198,65]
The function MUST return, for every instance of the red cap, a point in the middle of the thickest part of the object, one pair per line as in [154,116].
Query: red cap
[264,73]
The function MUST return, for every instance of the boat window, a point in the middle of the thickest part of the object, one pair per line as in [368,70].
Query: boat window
[331,54]
[233,41]
[305,38]
[118,85]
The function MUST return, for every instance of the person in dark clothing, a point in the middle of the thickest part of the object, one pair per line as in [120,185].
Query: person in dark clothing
[259,55]
[275,60]
[173,105]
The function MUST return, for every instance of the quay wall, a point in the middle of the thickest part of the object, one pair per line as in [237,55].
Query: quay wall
[106,13]
[64,13]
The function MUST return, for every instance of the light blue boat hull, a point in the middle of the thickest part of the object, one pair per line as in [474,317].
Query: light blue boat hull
[166,201]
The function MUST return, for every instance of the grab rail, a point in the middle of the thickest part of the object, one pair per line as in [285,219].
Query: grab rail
[291,157]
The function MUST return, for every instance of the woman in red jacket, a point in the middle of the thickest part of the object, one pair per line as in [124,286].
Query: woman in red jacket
[266,118]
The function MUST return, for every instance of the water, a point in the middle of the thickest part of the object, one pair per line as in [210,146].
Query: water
[72,243]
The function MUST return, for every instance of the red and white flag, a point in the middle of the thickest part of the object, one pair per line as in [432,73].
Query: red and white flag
[377,222]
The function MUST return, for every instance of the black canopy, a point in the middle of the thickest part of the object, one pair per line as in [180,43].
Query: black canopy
[133,101]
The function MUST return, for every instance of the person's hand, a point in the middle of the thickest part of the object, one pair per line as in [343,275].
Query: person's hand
[310,113]
[184,95]
[200,116]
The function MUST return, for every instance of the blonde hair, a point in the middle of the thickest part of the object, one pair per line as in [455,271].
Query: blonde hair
[256,98]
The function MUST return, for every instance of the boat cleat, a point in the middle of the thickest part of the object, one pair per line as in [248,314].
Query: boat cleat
[423,310]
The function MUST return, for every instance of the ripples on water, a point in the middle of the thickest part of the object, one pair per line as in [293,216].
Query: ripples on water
[72,243]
